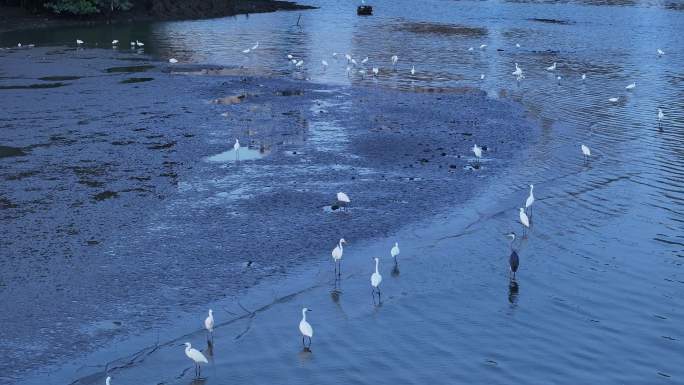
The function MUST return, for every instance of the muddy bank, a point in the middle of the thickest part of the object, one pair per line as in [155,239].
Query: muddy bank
[16,18]
[115,204]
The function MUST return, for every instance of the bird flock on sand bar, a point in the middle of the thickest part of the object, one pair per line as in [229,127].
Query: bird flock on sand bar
[343,202]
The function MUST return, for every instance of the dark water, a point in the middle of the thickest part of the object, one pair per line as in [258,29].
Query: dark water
[599,293]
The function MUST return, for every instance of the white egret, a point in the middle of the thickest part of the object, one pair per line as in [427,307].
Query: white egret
[584,76]
[299,63]
[325,64]
[376,278]
[173,60]
[394,59]
[343,200]
[551,67]
[660,52]
[364,61]
[482,76]
[585,151]
[348,70]
[18,45]
[335,55]
[139,43]
[209,325]
[348,57]
[196,356]
[353,61]
[514,259]
[79,41]
[108,380]
[246,50]
[470,48]
[236,148]
[477,150]
[517,45]
[518,71]
[614,100]
[530,199]
[630,86]
[255,46]
[289,57]
[362,72]
[661,115]
[375,70]
[115,42]
[294,61]
[337,255]
[305,328]
[132,44]
[395,251]
[483,46]
[524,219]
[413,70]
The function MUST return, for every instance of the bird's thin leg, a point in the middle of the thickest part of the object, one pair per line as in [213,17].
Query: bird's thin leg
[303,339]
[339,268]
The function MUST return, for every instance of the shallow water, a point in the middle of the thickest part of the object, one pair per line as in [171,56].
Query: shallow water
[600,291]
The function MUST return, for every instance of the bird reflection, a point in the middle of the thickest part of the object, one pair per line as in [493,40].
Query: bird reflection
[513,289]
[336,291]
[210,348]
[198,381]
[395,270]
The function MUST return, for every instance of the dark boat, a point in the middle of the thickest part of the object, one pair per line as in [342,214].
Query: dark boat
[364,10]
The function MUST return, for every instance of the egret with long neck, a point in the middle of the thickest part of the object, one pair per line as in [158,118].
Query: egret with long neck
[305,328]
[337,256]
[376,279]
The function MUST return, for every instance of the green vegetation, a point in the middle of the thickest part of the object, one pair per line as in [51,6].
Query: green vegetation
[88,7]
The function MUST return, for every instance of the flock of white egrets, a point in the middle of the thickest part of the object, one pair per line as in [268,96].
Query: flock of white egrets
[343,201]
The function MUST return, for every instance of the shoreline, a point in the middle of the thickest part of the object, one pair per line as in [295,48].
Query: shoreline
[17,19]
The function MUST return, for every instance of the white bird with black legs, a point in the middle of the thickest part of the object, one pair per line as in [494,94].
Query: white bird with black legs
[236,148]
[530,199]
[661,116]
[394,59]
[306,329]
[395,251]
[585,151]
[343,200]
[337,255]
[518,71]
[524,219]
[413,70]
[197,357]
[630,86]
[376,278]
[376,70]
[209,325]
[477,150]
[552,67]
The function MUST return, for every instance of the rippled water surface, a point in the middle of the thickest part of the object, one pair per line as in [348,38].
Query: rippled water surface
[600,294]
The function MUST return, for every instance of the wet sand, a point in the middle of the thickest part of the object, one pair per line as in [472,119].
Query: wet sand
[139,224]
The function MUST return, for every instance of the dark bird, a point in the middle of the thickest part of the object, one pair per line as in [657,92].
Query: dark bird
[514,259]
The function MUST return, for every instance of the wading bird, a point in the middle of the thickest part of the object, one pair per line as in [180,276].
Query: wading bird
[514,259]
[524,219]
[173,60]
[236,148]
[299,63]
[325,64]
[660,52]
[337,256]
[79,41]
[139,43]
[255,46]
[530,199]
[343,200]
[305,328]
[364,61]
[413,70]
[661,116]
[115,42]
[289,57]
[477,150]
[470,48]
[209,325]
[394,59]
[517,45]
[551,67]
[584,76]
[196,356]
[630,86]
[395,251]
[482,76]
[375,70]
[483,46]
[518,71]
[586,152]
[614,100]
[108,380]
[376,279]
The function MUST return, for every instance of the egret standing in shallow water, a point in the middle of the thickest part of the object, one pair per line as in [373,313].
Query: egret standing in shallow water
[173,60]
[337,256]
[236,148]
[661,116]
[477,150]
[630,86]
[514,259]
[660,52]
[394,59]
[395,251]
[530,199]
[305,328]
[376,279]
[196,356]
[413,70]
[343,200]
[614,100]
[325,64]
[586,152]
[108,380]
[584,76]
[524,220]
[552,67]
[209,325]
